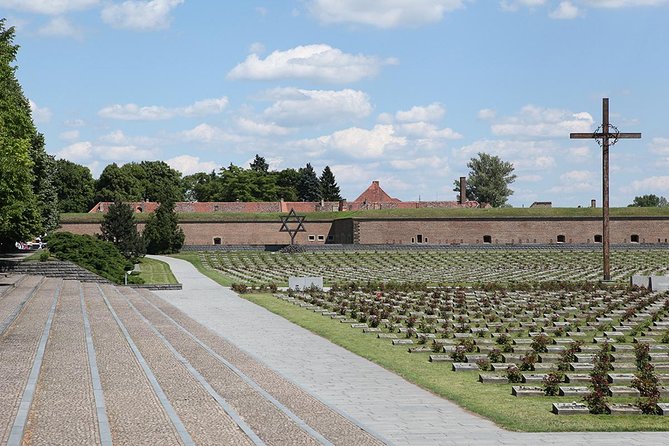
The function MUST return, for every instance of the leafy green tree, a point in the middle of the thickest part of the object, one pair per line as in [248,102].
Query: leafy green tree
[27,203]
[157,180]
[489,179]
[287,182]
[308,188]
[162,233]
[259,164]
[117,184]
[649,201]
[329,189]
[74,186]
[119,227]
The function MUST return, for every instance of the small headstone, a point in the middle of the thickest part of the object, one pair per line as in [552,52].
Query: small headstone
[577,378]
[402,342]
[533,377]
[623,409]
[441,358]
[621,378]
[371,330]
[574,390]
[527,391]
[489,378]
[464,367]
[386,336]
[501,366]
[419,349]
[570,409]
[663,409]
[359,326]
[623,391]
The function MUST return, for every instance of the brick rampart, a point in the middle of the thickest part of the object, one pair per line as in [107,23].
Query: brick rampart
[544,230]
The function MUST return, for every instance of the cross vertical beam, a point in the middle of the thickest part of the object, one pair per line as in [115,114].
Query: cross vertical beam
[607,135]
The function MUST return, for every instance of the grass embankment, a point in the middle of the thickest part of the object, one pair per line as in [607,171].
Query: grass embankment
[155,272]
[493,401]
[214,275]
[397,213]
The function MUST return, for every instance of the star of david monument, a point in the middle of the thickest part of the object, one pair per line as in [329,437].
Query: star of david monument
[606,136]
[292,224]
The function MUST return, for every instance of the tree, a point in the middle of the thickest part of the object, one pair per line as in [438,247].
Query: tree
[25,209]
[117,184]
[259,164]
[329,189]
[649,201]
[157,180]
[287,182]
[74,186]
[119,227]
[488,180]
[45,191]
[162,233]
[308,187]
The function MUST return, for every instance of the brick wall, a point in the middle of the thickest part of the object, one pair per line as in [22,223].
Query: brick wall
[432,231]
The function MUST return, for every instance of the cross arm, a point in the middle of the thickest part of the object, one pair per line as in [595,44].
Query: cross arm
[629,135]
[585,135]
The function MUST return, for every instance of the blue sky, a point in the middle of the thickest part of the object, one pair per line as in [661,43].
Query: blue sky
[401,91]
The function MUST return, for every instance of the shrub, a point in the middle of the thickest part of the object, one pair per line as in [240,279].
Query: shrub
[458,353]
[239,288]
[484,364]
[647,383]
[665,337]
[495,355]
[598,396]
[527,361]
[162,233]
[513,374]
[95,255]
[568,355]
[539,343]
[44,256]
[552,383]
[504,341]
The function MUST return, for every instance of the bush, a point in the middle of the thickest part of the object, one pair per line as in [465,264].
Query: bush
[95,255]
[552,383]
[527,361]
[598,396]
[495,355]
[513,374]
[539,343]
[484,364]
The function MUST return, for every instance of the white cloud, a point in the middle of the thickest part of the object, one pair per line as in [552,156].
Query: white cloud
[75,123]
[297,107]
[565,11]
[206,133]
[432,112]
[531,178]
[257,48]
[60,27]
[41,115]
[78,151]
[426,130]
[660,146]
[430,162]
[315,62]
[575,181]
[535,121]
[140,15]
[651,184]
[133,112]
[579,154]
[487,113]
[382,14]
[69,135]
[514,5]
[623,3]
[524,155]
[50,7]
[188,165]
[362,143]
[261,128]
[117,137]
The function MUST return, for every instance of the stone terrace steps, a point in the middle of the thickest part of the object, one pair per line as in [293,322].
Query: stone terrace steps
[58,269]
[83,363]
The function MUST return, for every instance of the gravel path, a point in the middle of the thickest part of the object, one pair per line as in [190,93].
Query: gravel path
[18,345]
[13,301]
[202,416]
[63,408]
[135,414]
[331,424]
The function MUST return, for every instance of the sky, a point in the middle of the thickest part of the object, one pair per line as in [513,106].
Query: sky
[401,91]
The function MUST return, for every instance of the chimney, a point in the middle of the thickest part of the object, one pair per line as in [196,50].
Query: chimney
[375,183]
[463,190]
[593,203]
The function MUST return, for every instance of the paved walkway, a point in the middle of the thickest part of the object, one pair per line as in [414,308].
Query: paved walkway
[385,404]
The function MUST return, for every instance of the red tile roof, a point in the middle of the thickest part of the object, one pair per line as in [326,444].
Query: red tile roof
[374,194]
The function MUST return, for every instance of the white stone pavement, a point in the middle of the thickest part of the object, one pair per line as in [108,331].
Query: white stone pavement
[385,404]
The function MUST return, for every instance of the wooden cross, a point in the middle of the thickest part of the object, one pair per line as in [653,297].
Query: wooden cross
[606,135]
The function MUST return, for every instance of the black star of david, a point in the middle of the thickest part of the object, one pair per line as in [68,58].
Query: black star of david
[292,218]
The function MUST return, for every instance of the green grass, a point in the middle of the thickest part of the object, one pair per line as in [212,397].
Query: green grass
[490,400]
[397,213]
[214,275]
[155,272]
[493,401]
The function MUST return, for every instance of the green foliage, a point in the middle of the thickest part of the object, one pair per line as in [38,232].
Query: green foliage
[259,164]
[649,201]
[119,227]
[551,383]
[598,396]
[91,253]
[162,233]
[329,189]
[74,186]
[148,180]
[308,188]
[514,374]
[488,180]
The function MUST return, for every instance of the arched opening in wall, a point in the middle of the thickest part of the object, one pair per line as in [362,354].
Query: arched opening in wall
[413,240]
[139,209]
[634,238]
[598,238]
[487,239]
[217,240]
[561,238]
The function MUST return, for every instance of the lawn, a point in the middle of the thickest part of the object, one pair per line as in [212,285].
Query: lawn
[155,272]
[493,401]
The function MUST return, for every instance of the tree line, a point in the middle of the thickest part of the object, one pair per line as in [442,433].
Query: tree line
[77,191]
